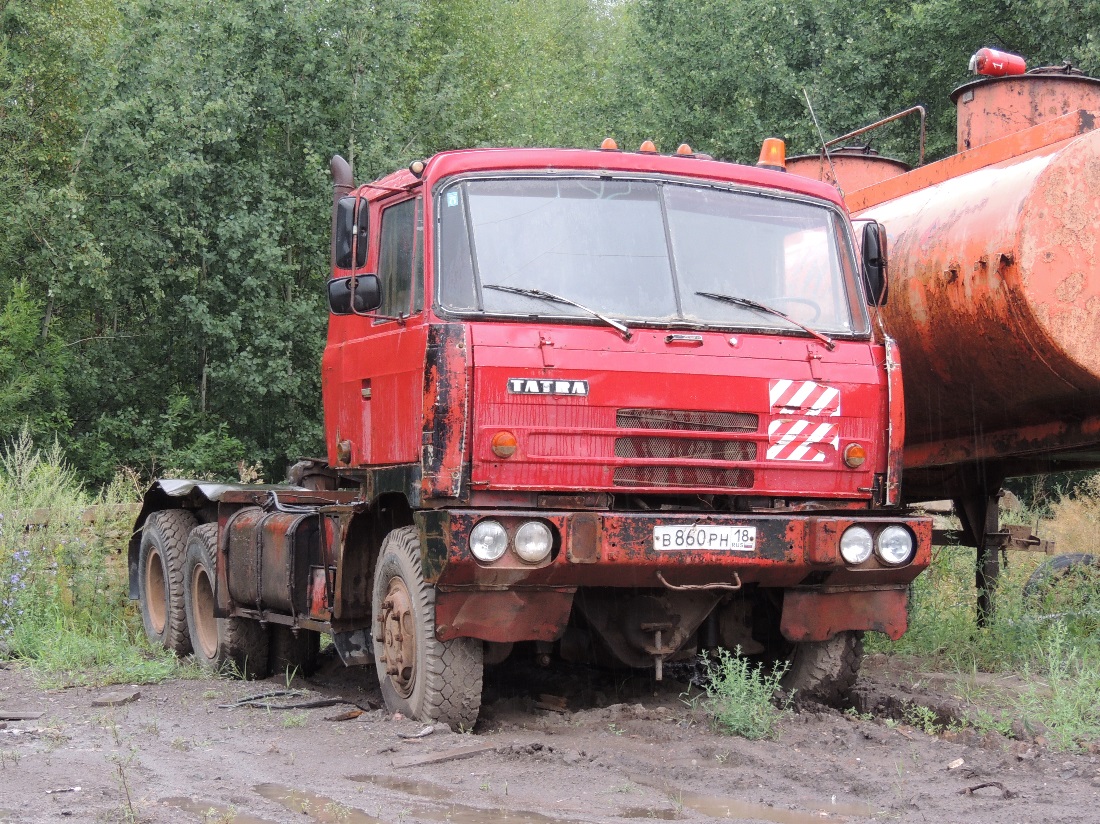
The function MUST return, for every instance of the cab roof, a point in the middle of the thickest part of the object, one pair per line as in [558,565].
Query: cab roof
[446,164]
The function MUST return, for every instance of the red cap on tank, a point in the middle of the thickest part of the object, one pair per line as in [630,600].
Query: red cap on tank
[993,63]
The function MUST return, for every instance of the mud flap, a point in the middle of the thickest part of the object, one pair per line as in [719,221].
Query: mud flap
[818,616]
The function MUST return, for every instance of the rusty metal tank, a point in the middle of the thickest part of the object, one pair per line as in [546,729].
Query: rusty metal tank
[849,168]
[995,287]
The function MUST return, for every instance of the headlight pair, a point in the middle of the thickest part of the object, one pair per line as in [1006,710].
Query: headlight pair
[532,543]
[893,545]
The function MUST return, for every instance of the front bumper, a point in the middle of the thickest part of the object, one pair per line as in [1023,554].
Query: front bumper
[616,549]
[510,600]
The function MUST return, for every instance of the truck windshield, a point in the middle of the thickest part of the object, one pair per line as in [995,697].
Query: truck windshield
[644,251]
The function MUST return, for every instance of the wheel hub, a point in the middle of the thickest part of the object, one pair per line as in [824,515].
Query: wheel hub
[397,629]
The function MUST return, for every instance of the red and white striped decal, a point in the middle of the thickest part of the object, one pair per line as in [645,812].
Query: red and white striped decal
[806,437]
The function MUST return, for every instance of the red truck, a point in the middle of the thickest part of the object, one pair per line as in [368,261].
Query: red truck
[609,406]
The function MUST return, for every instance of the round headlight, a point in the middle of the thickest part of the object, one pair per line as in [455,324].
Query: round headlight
[894,545]
[488,541]
[534,541]
[856,545]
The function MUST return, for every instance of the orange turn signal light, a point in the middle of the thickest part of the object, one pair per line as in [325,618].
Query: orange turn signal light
[417,168]
[684,149]
[504,444]
[773,155]
[609,145]
[855,455]
[648,147]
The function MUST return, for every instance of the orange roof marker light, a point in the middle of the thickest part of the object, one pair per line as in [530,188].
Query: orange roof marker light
[993,63]
[648,147]
[609,145]
[684,149]
[773,155]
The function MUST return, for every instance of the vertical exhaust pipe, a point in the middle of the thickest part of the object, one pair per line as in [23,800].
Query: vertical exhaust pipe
[342,183]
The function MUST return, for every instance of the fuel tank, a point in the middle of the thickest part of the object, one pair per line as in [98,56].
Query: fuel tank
[995,287]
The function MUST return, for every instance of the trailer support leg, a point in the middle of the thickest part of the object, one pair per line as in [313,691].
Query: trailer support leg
[979,515]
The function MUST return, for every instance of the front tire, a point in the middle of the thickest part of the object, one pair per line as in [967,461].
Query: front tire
[420,676]
[825,670]
[160,578]
[237,646]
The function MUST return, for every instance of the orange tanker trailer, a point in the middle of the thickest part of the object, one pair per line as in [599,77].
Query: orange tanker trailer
[994,290]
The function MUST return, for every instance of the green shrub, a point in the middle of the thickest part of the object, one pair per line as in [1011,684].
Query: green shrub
[64,610]
[741,695]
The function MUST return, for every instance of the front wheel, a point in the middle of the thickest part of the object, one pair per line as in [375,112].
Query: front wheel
[237,646]
[825,670]
[420,676]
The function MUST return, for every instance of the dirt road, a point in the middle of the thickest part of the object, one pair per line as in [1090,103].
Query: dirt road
[597,748]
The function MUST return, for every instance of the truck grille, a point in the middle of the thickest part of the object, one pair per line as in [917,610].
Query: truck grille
[686,419]
[685,447]
[700,450]
[683,476]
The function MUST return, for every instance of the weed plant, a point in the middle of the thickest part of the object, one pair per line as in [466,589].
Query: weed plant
[63,584]
[1051,639]
[741,697]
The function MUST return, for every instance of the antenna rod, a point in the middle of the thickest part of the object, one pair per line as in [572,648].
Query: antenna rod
[824,145]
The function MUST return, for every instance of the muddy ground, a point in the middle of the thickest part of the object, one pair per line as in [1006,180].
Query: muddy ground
[599,747]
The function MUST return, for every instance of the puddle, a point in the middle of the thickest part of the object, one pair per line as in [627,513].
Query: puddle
[424,789]
[317,807]
[652,814]
[451,812]
[205,809]
[733,809]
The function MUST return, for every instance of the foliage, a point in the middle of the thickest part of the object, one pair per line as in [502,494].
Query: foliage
[741,695]
[1051,637]
[164,189]
[63,607]
[1068,703]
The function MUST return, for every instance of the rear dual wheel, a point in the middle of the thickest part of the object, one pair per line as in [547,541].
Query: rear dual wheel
[160,578]
[238,646]
[420,676]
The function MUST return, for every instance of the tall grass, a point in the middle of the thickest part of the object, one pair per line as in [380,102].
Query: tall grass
[1052,640]
[64,611]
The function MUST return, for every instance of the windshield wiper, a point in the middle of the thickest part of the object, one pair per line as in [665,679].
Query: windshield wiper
[760,307]
[538,293]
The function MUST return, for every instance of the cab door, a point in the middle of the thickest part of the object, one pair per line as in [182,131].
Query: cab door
[387,358]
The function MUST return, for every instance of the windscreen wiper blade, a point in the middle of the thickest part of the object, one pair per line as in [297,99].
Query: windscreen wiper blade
[538,293]
[760,307]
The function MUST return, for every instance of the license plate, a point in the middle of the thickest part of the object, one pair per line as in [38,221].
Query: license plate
[701,536]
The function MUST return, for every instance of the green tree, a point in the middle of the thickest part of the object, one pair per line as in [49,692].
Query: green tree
[208,170]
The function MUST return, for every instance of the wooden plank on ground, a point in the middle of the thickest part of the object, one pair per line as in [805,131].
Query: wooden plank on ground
[449,755]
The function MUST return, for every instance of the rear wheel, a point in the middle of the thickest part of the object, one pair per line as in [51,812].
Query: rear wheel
[825,670]
[233,645]
[420,676]
[160,578]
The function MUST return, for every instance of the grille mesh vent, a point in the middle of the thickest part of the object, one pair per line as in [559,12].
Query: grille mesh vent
[687,420]
[700,450]
[683,476]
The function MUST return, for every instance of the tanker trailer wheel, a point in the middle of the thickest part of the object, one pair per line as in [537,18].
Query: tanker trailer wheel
[1064,584]
[160,578]
[824,670]
[234,645]
[420,676]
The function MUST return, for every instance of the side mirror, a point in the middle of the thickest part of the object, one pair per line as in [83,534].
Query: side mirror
[875,269]
[367,290]
[343,227]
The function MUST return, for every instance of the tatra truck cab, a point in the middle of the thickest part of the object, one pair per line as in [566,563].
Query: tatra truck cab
[597,405]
